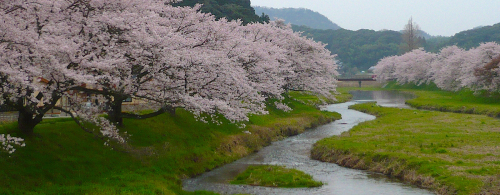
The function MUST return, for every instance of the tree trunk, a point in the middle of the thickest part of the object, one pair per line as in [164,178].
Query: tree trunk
[26,122]
[115,114]
[171,110]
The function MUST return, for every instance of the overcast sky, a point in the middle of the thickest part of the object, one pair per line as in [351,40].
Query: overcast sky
[436,17]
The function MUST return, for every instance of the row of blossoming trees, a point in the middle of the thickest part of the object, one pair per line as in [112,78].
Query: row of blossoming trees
[173,57]
[451,69]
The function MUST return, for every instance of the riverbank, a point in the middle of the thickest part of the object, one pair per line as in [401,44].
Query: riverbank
[461,102]
[62,159]
[447,152]
[294,152]
[430,97]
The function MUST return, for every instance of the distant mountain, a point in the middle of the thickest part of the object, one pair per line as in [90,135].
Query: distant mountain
[298,16]
[425,34]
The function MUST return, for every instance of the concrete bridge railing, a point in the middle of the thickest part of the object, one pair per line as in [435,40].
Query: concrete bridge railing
[358,78]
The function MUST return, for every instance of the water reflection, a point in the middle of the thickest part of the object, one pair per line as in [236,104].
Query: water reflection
[293,152]
[383,98]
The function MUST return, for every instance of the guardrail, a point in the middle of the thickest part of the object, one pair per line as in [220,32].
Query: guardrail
[358,78]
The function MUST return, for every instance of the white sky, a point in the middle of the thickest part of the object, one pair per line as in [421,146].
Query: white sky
[436,17]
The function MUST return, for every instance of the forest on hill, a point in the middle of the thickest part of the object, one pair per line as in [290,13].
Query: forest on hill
[472,38]
[356,50]
[230,9]
[298,16]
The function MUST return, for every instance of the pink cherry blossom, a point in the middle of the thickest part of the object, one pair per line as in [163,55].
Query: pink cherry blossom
[451,69]
[170,57]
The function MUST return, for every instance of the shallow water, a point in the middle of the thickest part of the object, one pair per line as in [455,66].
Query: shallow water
[293,152]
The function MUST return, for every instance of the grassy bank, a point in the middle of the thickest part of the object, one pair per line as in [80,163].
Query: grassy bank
[460,102]
[275,176]
[62,159]
[343,95]
[430,97]
[449,152]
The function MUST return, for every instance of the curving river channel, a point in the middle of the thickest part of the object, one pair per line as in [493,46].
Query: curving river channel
[293,152]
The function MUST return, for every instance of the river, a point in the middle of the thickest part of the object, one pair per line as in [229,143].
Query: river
[293,152]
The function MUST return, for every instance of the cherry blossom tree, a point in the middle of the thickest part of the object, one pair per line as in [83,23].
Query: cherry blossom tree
[385,69]
[263,58]
[489,75]
[452,69]
[9,143]
[170,57]
[122,52]
[34,59]
[198,72]
[36,64]
[413,67]
[208,79]
[178,58]
[312,64]
[477,58]
[446,68]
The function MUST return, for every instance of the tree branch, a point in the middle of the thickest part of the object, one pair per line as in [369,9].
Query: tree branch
[150,115]
[77,121]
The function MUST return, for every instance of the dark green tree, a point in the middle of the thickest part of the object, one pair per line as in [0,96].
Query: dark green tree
[229,9]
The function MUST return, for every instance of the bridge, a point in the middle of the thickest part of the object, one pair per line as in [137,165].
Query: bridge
[359,78]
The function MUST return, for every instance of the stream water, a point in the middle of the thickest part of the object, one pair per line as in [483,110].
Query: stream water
[293,152]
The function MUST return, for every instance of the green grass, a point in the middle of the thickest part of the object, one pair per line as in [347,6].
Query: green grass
[343,96]
[461,102]
[275,176]
[60,158]
[426,87]
[449,152]
[430,97]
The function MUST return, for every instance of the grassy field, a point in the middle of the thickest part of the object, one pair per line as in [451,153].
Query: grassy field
[462,102]
[449,152]
[429,97]
[275,176]
[62,159]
